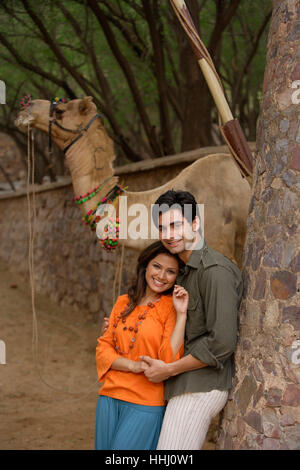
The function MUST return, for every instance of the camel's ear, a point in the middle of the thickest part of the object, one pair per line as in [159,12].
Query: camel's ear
[85,104]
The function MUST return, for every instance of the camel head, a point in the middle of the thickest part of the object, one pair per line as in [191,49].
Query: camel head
[89,152]
[73,115]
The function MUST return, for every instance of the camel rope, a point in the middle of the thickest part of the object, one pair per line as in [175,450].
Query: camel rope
[31,211]
[118,275]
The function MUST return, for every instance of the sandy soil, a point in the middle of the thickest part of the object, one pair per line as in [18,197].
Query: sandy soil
[55,408]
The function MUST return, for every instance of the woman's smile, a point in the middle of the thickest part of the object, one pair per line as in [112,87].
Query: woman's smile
[158,283]
[161,273]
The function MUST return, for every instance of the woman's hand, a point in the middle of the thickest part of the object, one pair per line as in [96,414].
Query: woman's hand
[138,366]
[104,325]
[180,299]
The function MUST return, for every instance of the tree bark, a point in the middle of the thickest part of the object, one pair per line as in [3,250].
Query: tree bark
[263,412]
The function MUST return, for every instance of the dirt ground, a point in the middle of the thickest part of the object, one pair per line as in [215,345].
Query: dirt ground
[55,408]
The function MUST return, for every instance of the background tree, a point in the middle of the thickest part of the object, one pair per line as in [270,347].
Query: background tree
[133,58]
[264,410]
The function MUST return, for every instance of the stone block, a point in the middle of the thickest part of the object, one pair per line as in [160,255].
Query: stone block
[245,392]
[273,255]
[291,315]
[273,396]
[254,420]
[292,437]
[295,159]
[273,230]
[269,367]
[270,424]
[283,284]
[292,411]
[260,285]
[291,396]
[287,420]
[295,263]
[258,394]
[230,410]
[257,252]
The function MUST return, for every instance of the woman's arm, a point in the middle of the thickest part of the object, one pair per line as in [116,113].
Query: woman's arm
[127,365]
[180,302]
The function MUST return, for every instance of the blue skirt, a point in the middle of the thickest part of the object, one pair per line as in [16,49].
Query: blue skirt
[121,425]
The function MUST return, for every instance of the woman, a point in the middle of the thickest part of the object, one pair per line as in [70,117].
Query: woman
[149,320]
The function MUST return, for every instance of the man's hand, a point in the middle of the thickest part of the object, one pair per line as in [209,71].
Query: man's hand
[158,371]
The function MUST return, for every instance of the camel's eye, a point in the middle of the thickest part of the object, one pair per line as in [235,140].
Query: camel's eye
[59,113]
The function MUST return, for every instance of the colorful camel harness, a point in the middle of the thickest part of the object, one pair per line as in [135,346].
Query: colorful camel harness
[111,230]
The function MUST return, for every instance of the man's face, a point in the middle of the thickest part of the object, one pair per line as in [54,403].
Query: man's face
[175,232]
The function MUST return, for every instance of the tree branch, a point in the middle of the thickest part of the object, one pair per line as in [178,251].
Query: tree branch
[129,75]
[36,69]
[238,83]
[155,28]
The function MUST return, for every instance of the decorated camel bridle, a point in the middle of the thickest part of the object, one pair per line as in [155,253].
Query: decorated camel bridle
[80,131]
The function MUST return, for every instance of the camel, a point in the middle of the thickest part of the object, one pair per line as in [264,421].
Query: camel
[214,180]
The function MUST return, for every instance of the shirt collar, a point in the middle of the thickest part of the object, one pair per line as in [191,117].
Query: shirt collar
[195,258]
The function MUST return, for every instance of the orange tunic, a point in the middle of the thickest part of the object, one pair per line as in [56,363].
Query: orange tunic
[152,339]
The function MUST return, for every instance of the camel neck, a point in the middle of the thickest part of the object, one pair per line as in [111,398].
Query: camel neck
[90,163]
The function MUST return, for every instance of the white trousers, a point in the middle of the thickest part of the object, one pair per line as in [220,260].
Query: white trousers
[187,419]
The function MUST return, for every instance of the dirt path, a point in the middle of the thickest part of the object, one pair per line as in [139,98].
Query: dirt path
[33,415]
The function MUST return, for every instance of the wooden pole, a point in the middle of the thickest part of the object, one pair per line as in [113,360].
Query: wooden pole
[230,128]
[216,91]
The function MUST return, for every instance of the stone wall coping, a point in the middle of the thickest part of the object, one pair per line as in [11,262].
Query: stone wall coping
[145,165]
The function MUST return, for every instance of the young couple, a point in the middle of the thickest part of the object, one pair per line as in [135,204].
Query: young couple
[170,339]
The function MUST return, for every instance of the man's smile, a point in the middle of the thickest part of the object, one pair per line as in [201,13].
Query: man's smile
[173,243]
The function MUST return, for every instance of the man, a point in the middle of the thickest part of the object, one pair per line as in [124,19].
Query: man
[197,385]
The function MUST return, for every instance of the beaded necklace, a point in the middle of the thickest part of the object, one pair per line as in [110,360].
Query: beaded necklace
[133,329]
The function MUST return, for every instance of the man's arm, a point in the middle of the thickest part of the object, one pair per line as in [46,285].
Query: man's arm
[158,371]
[221,300]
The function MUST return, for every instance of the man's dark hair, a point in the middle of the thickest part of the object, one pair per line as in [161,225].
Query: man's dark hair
[175,199]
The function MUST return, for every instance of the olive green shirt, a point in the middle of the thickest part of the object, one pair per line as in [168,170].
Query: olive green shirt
[215,289]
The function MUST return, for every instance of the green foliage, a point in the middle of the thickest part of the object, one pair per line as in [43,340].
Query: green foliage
[19,29]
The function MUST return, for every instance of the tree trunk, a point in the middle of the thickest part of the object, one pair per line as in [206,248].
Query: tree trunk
[197,125]
[264,409]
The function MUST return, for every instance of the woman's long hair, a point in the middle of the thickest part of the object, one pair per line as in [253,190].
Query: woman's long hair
[138,288]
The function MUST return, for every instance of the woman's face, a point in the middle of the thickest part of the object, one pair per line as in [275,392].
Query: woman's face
[161,273]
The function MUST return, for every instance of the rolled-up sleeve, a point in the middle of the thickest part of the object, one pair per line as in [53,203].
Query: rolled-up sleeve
[105,351]
[165,352]
[221,297]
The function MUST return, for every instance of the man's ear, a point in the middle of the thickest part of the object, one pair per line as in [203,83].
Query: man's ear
[85,104]
[196,224]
